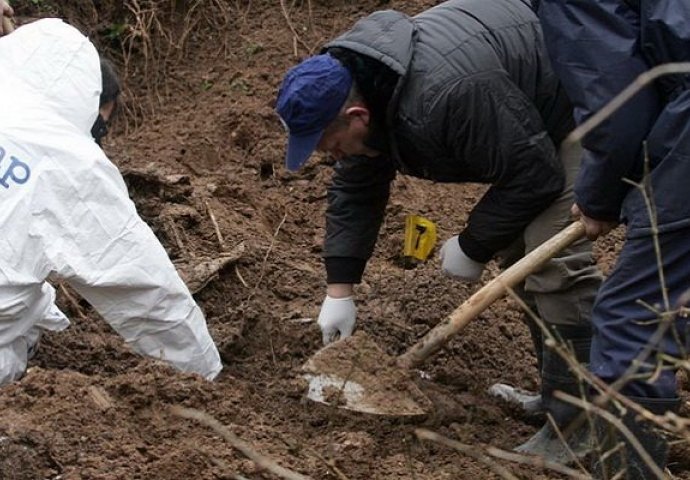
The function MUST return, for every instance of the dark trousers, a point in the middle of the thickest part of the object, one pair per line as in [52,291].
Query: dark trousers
[624,325]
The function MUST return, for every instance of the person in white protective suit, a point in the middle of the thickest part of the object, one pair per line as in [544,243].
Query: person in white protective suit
[66,213]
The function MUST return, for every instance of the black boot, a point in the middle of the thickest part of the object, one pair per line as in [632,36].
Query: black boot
[617,454]
[557,376]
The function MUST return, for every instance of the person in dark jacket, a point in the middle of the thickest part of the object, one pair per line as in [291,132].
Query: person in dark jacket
[462,92]
[599,48]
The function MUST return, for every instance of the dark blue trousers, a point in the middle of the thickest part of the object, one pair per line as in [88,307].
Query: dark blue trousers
[623,326]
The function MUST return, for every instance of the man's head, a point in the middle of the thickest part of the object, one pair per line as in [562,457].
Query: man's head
[107,102]
[321,109]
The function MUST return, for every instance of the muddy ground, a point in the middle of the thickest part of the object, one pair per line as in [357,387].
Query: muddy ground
[198,143]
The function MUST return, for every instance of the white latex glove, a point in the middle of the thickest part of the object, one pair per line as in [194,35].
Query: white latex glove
[337,318]
[455,264]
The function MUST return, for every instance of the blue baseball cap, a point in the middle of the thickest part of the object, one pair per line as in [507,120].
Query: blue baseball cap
[309,99]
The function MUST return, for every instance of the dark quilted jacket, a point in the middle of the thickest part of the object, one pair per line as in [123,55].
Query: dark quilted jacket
[477,101]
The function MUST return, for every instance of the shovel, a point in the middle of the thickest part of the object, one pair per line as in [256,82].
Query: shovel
[356,374]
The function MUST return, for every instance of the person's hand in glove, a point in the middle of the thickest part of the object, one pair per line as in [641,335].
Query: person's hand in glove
[338,314]
[455,264]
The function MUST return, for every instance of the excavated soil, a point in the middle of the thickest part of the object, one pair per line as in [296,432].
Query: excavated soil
[201,150]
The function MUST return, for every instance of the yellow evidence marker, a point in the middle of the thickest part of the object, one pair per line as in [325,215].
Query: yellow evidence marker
[420,237]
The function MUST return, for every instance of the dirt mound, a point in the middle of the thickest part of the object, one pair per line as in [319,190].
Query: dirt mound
[201,150]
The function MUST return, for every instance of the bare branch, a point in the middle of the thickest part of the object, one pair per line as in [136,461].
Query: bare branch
[620,426]
[329,464]
[469,450]
[73,301]
[536,462]
[640,82]
[265,260]
[295,35]
[261,460]
[219,236]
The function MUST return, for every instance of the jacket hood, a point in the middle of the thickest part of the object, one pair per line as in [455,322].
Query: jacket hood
[386,36]
[52,62]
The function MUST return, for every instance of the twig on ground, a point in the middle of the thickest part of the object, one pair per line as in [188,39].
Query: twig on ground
[329,463]
[310,18]
[177,238]
[215,225]
[220,463]
[190,251]
[269,324]
[72,301]
[100,397]
[400,325]
[202,271]
[244,13]
[296,36]
[292,445]
[237,272]
[190,25]
[262,272]
[261,460]
[469,450]
[140,32]
[537,462]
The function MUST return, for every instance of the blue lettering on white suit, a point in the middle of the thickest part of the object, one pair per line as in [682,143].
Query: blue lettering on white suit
[17,171]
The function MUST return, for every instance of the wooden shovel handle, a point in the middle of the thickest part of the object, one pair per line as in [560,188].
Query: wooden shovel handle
[486,295]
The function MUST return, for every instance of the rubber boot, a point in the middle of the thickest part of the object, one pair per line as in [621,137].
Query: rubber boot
[625,457]
[557,376]
[529,402]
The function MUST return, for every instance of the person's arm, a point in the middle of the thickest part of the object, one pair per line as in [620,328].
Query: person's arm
[357,201]
[595,50]
[497,136]
[98,243]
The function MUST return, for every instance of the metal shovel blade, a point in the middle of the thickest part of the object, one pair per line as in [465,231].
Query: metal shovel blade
[355,374]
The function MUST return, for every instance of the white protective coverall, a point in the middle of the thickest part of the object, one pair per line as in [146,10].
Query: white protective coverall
[65,211]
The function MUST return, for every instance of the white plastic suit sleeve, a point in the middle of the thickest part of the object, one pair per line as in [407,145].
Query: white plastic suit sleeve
[127,276]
